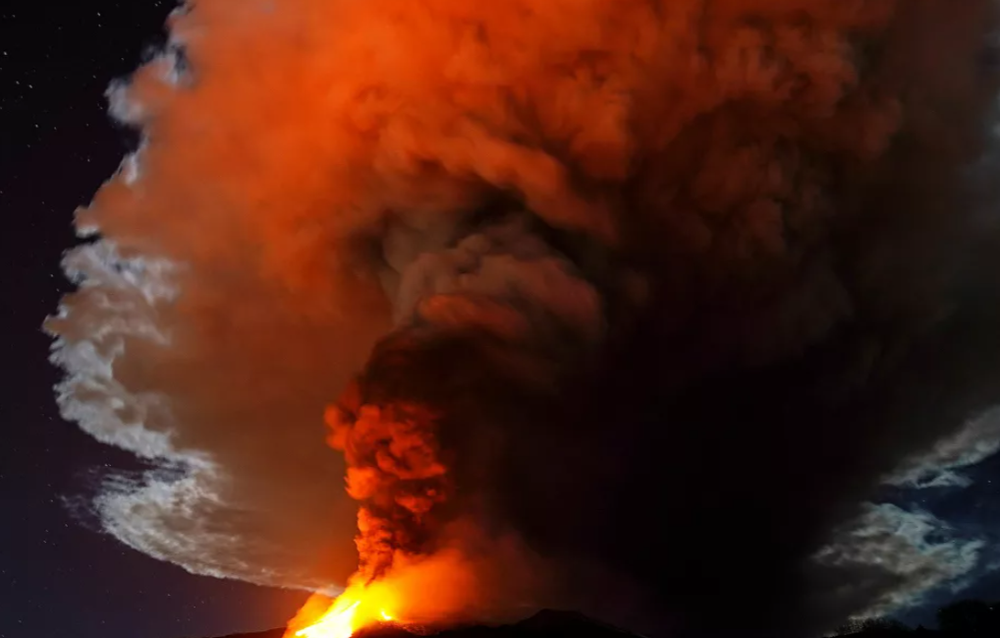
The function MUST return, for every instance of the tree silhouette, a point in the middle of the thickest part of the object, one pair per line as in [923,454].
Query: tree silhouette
[970,618]
[874,627]
[960,619]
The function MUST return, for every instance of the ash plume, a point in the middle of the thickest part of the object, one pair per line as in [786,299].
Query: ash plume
[652,295]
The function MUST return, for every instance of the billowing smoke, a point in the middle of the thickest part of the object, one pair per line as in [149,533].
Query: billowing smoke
[484,327]
[651,294]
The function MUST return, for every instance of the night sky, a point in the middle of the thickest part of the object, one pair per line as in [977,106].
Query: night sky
[59,576]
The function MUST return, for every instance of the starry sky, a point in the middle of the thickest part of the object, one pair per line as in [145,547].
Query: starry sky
[59,576]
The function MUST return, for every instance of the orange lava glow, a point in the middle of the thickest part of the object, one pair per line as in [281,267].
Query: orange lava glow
[417,592]
[356,608]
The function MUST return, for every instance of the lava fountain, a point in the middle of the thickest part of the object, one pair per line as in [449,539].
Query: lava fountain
[358,607]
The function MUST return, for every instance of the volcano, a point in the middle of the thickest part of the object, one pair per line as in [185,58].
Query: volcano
[547,623]
[550,623]
[637,307]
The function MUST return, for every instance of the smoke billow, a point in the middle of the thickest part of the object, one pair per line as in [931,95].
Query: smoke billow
[627,305]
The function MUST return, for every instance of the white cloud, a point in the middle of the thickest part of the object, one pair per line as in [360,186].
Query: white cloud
[894,557]
[977,441]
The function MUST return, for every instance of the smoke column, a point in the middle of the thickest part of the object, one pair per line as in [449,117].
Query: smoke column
[649,295]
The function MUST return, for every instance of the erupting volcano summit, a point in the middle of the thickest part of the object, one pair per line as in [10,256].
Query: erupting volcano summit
[629,306]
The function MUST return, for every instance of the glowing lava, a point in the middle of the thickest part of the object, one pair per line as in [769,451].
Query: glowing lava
[356,608]
[335,624]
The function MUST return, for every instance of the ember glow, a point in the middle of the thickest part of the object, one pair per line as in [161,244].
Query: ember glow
[417,592]
[337,623]
[356,608]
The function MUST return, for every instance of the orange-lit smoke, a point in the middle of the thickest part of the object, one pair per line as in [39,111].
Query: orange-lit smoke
[394,471]
[544,255]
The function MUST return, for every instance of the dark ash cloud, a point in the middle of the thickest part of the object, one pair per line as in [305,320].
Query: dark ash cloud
[660,292]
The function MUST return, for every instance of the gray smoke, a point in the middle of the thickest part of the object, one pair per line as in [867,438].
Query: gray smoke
[739,275]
